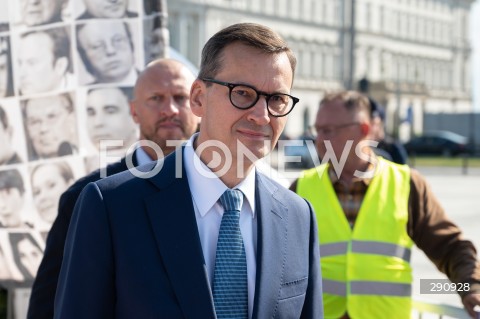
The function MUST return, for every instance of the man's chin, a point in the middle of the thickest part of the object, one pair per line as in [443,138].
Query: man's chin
[175,134]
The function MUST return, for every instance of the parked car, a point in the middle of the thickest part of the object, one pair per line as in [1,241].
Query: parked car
[304,149]
[444,143]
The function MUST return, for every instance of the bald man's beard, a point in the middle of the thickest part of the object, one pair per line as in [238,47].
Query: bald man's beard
[161,135]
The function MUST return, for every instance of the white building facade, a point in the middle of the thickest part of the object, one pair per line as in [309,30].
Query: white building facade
[415,54]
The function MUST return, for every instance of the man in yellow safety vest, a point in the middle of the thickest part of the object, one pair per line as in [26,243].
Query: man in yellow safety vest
[370,212]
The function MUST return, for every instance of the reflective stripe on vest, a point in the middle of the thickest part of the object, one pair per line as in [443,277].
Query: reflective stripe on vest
[366,247]
[380,288]
[334,287]
[367,288]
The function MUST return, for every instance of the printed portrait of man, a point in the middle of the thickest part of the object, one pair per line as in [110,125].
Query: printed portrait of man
[108,55]
[156,38]
[44,61]
[50,126]
[38,12]
[106,9]
[108,116]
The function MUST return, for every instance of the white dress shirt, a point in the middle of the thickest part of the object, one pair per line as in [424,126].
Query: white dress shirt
[142,156]
[206,189]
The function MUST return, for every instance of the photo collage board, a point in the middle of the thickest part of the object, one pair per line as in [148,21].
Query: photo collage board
[67,70]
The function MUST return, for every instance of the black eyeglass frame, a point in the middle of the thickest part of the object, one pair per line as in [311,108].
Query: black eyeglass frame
[231,86]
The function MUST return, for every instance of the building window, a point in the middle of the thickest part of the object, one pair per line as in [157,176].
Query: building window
[329,65]
[412,27]
[318,64]
[282,8]
[420,29]
[325,16]
[368,16]
[293,9]
[337,14]
[268,7]
[306,63]
[382,19]
[337,70]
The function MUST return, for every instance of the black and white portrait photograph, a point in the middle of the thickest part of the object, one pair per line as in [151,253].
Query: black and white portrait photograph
[108,116]
[30,13]
[50,125]
[49,180]
[27,253]
[108,56]
[106,9]
[44,61]
[156,37]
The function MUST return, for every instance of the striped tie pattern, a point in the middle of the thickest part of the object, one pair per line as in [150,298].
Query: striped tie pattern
[230,288]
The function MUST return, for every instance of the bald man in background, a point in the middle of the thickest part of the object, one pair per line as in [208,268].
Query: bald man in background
[161,108]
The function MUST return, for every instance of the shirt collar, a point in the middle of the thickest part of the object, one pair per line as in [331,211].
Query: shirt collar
[142,156]
[365,180]
[201,178]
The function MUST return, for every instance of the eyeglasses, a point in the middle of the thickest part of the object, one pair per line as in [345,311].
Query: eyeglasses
[117,42]
[36,123]
[244,96]
[331,130]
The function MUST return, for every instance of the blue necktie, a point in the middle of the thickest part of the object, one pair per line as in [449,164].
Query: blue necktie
[230,287]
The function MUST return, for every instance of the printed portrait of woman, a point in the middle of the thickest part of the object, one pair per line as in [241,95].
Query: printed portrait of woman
[27,254]
[49,181]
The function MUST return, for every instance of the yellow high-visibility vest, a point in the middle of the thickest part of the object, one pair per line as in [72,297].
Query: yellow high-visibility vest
[366,271]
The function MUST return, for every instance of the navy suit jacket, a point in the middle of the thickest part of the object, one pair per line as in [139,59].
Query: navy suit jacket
[133,251]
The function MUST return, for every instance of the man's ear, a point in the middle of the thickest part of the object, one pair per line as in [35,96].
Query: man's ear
[365,128]
[133,111]
[198,93]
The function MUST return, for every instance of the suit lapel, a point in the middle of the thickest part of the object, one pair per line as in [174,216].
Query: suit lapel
[272,234]
[172,217]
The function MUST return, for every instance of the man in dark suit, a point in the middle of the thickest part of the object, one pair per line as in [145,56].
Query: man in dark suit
[163,80]
[146,247]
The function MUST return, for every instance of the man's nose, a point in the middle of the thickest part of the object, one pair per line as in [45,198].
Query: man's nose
[170,107]
[97,120]
[259,112]
[110,48]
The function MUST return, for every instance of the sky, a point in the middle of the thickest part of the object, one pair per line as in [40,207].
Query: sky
[475,36]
